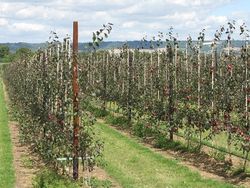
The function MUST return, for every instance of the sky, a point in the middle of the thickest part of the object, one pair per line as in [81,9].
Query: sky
[32,20]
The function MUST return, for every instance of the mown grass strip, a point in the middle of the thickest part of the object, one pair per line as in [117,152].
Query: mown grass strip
[218,142]
[133,165]
[7,177]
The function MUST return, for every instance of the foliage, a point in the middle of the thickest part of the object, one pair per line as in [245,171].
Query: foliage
[40,89]
[96,183]
[163,143]
[185,89]
[23,53]
[117,121]
[5,55]
[4,51]
[218,155]
[49,179]
[99,35]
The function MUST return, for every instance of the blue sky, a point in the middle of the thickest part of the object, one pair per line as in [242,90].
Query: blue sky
[32,20]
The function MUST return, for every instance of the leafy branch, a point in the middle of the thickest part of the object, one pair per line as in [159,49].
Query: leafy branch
[99,35]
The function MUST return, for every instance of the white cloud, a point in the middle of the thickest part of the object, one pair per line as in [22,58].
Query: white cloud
[155,25]
[180,16]
[28,27]
[199,2]
[129,24]
[219,20]
[131,19]
[31,11]
[3,22]
[42,12]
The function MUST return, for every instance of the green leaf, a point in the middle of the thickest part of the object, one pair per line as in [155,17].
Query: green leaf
[94,37]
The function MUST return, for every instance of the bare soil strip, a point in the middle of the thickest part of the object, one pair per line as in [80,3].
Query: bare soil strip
[26,165]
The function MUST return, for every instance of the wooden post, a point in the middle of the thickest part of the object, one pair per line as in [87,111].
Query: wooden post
[158,74]
[199,78]
[246,87]
[212,79]
[104,78]
[151,74]
[171,93]
[75,102]
[144,77]
[175,59]
[129,92]
[186,60]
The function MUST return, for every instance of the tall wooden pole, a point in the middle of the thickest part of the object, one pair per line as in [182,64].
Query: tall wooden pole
[171,92]
[246,86]
[199,78]
[212,79]
[75,102]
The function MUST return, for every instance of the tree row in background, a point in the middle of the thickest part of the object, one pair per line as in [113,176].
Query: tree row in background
[169,90]
[173,90]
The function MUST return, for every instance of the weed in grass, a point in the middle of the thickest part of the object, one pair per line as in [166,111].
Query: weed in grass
[162,142]
[117,121]
[138,130]
[194,149]
[49,179]
[141,130]
[97,112]
[218,155]
[27,162]
[96,183]
[101,162]
[238,171]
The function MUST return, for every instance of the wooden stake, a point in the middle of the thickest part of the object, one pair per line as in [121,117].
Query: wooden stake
[75,102]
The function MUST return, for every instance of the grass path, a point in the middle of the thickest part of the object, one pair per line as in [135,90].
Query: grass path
[7,177]
[133,165]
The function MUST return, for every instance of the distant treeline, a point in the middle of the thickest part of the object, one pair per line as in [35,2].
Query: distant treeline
[118,44]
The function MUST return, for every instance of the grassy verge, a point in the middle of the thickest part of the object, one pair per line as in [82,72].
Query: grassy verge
[218,142]
[50,179]
[133,165]
[7,177]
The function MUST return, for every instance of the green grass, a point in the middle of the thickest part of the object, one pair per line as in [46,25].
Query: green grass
[133,165]
[47,178]
[27,162]
[50,179]
[218,142]
[7,177]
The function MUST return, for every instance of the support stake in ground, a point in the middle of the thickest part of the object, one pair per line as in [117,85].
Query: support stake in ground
[75,102]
